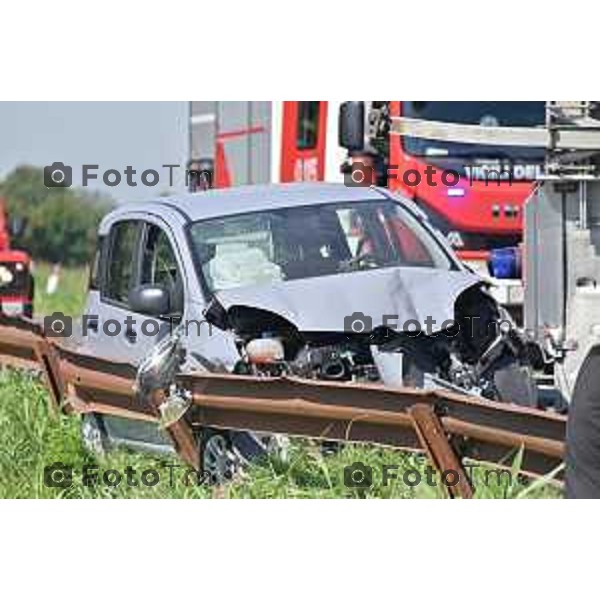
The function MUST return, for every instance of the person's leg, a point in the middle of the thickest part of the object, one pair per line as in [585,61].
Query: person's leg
[583,432]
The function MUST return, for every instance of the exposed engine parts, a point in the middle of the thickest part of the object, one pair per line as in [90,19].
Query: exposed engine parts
[482,352]
[342,362]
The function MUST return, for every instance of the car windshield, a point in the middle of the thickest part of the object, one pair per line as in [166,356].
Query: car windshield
[311,241]
[491,114]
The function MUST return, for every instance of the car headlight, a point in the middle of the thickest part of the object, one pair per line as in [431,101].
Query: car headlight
[262,351]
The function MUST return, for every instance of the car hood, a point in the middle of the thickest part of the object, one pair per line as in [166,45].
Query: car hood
[327,304]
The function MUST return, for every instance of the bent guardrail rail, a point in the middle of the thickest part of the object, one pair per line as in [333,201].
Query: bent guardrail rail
[24,345]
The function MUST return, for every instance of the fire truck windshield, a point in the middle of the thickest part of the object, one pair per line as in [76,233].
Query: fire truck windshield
[491,114]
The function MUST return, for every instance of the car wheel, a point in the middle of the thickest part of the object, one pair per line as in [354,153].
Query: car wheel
[220,461]
[93,435]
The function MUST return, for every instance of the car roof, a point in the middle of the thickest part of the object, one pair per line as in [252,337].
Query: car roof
[253,198]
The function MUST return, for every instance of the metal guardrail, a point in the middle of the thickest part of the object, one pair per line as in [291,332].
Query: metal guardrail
[447,426]
[24,345]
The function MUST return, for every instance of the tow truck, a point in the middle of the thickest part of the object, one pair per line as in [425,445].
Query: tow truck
[16,282]
[562,241]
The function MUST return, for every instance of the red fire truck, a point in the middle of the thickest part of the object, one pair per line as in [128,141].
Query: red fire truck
[16,282]
[475,197]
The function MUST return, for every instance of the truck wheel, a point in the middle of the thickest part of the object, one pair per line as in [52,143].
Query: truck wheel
[582,474]
[93,434]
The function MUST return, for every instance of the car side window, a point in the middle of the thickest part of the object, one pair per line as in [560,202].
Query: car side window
[159,265]
[122,261]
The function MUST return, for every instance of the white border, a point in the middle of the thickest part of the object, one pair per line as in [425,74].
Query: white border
[264,50]
[185,49]
[300,549]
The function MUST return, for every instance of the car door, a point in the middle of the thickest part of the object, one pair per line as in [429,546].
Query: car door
[106,327]
[133,251]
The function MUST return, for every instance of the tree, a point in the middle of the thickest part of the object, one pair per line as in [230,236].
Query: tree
[61,222]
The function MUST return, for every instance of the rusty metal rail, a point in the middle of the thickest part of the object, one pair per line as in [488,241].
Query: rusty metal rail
[24,345]
[448,426]
[478,429]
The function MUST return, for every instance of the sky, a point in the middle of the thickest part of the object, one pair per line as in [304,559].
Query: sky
[112,135]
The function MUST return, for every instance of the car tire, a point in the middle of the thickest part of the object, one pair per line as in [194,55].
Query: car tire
[220,461]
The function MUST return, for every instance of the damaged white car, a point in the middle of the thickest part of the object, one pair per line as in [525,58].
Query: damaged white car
[311,280]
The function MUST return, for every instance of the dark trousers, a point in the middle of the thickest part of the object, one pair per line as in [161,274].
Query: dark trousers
[583,432]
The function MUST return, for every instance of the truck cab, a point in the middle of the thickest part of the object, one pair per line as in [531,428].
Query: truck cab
[16,282]
[474,193]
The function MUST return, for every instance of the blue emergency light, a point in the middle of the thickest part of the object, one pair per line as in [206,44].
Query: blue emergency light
[505,263]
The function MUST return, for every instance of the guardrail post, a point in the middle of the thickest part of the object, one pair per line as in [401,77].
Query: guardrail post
[181,434]
[48,359]
[434,440]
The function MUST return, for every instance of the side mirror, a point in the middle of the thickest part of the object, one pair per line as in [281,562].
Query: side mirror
[157,370]
[351,126]
[150,299]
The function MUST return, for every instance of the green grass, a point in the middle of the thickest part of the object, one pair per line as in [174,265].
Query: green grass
[68,298]
[32,439]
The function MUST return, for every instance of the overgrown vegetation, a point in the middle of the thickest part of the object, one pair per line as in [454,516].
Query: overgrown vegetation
[60,223]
